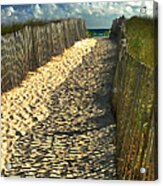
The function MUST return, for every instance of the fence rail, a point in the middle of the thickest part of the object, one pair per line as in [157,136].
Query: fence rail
[33,46]
[135,107]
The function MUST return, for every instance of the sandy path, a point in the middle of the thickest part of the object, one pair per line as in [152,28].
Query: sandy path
[58,122]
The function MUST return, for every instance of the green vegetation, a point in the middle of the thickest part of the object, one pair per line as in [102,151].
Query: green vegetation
[140,34]
[97,33]
[89,34]
[136,103]
[14,27]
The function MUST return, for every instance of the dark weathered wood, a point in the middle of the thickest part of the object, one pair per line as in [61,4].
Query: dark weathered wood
[135,107]
[58,123]
[33,46]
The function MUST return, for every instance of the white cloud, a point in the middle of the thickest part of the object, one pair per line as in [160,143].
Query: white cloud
[129,9]
[8,11]
[37,11]
[100,14]
[134,3]
[149,6]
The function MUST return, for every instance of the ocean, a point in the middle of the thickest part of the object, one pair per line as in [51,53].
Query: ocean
[98,32]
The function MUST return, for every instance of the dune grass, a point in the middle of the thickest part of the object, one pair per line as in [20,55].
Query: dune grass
[14,27]
[140,34]
[6,29]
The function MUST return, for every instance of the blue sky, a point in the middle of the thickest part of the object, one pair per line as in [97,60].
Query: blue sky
[96,14]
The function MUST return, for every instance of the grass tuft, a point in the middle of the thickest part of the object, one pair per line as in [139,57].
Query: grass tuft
[14,27]
[140,34]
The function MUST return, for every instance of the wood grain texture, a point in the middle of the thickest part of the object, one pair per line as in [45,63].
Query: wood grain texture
[32,47]
[135,107]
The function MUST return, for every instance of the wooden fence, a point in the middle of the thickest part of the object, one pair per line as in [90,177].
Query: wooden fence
[33,46]
[135,107]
